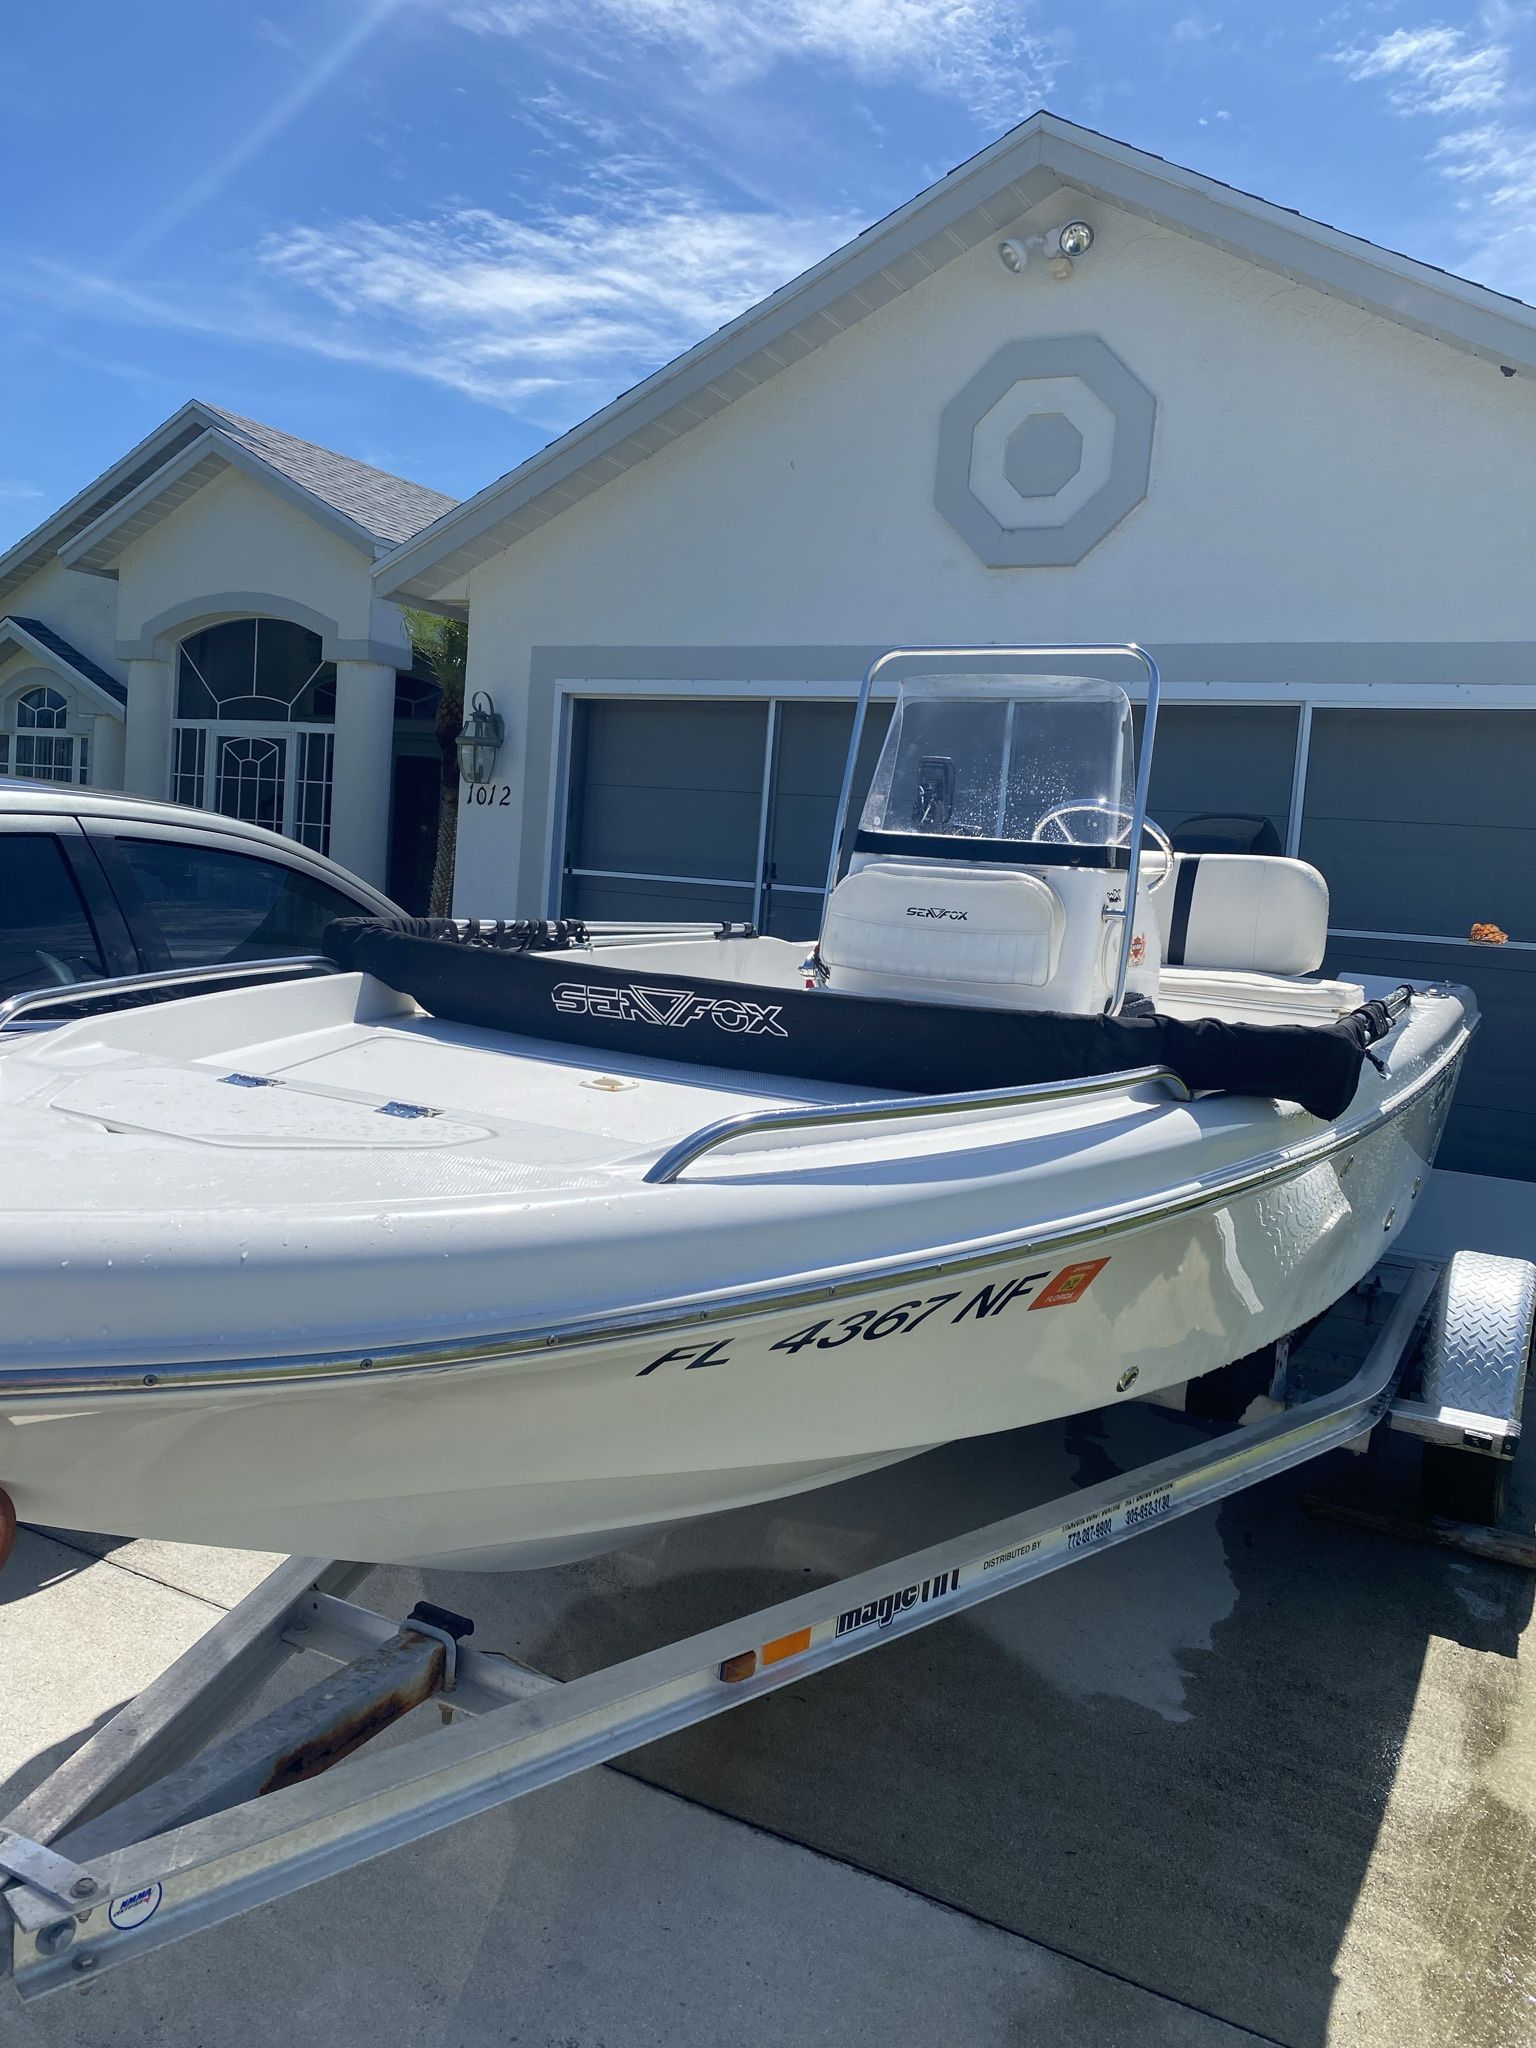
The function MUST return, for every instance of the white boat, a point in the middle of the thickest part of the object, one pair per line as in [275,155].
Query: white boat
[502,1245]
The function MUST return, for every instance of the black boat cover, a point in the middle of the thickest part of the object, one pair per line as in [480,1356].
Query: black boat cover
[488,976]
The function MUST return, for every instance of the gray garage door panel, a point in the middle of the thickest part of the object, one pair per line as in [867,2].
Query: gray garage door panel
[809,760]
[666,794]
[1417,768]
[1492,1127]
[1229,759]
[1440,879]
[667,788]
[1425,821]
[624,901]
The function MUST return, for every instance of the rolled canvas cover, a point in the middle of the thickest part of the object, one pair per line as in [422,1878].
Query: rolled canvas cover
[527,980]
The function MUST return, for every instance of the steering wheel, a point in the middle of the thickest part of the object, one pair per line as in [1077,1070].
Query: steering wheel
[1101,807]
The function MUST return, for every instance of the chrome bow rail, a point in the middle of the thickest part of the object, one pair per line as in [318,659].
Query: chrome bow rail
[28,1011]
[898,1108]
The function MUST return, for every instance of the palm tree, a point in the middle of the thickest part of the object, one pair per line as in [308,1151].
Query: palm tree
[442,645]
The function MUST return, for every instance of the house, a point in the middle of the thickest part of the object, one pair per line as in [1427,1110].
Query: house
[201,622]
[1069,393]
[1299,468]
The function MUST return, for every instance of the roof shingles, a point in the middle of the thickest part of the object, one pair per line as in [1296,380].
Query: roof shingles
[82,664]
[390,508]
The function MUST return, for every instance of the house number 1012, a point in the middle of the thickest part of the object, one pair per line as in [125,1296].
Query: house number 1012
[497,793]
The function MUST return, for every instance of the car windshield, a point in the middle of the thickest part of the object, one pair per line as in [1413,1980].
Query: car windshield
[994,758]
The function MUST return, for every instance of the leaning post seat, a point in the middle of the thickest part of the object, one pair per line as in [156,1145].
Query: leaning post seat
[1249,912]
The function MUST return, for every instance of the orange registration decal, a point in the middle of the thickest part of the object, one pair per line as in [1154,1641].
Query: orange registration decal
[1070,1284]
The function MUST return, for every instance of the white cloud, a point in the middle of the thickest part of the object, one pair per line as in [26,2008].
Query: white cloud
[1195,28]
[580,304]
[1494,168]
[1490,163]
[14,491]
[1433,70]
[981,52]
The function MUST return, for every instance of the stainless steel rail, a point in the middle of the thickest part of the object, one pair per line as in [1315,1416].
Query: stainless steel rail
[899,1108]
[172,1884]
[92,996]
[999,661]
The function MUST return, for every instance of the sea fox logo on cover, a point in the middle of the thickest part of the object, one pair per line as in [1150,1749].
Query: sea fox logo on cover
[882,1612]
[673,1007]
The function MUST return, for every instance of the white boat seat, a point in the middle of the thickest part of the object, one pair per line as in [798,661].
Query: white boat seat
[1254,912]
[901,922]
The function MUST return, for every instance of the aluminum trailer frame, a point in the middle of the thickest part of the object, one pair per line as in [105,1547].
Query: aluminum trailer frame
[138,1839]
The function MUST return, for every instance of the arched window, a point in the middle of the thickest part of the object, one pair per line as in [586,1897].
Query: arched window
[255,707]
[40,747]
[260,671]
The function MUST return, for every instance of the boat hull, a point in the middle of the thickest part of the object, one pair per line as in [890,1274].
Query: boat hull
[532,1457]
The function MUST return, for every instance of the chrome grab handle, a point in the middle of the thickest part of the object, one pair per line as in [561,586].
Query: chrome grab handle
[185,980]
[997,658]
[894,1108]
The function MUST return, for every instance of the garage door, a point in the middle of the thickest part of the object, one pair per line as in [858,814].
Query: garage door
[717,810]
[1424,823]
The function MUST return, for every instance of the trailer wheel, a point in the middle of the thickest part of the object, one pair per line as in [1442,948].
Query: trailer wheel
[1461,1486]
[1476,1350]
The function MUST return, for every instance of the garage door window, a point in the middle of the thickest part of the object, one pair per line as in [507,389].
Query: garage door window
[707,811]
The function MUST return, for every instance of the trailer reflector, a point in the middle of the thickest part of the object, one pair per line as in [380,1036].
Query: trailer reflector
[786,1646]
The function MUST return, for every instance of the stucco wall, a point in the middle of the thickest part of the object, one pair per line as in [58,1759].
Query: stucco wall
[235,537]
[82,608]
[1318,474]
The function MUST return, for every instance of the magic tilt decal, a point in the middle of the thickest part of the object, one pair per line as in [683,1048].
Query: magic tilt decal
[882,1612]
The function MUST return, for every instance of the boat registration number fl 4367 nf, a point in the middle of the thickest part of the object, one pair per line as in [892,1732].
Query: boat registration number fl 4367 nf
[499,1244]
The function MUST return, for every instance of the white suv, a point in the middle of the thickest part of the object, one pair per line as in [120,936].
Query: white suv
[94,885]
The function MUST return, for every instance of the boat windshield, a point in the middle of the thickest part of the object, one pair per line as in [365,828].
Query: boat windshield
[1042,759]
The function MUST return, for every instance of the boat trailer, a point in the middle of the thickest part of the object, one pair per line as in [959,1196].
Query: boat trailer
[157,1827]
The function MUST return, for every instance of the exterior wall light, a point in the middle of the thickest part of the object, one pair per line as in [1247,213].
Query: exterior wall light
[1072,240]
[480,739]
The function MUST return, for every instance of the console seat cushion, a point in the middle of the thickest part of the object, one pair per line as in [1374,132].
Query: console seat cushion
[944,921]
[1254,912]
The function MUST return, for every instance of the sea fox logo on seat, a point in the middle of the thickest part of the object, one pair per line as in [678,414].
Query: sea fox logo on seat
[882,1612]
[936,910]
[673,1007]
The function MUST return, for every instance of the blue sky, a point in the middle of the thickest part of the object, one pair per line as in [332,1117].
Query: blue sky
[435,233]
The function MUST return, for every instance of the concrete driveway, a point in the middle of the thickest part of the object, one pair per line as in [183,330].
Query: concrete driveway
[1254,1777]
